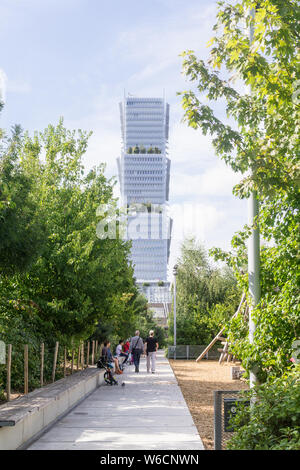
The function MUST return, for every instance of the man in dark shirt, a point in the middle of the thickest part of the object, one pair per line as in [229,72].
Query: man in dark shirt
[151,346]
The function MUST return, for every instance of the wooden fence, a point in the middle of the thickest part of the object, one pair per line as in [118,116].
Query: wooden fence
[87,354]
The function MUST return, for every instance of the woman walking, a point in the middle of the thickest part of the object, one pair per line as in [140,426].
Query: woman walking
[136,348]
[151,346]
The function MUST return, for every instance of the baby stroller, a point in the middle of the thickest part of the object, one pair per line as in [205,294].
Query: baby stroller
[108,377]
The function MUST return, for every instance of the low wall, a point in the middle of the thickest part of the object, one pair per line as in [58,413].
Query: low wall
[23,420]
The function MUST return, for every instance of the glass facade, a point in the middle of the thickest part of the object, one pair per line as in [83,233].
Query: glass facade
[144,173]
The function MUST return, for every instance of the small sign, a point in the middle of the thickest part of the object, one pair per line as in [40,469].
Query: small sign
[2,352]
[231,406]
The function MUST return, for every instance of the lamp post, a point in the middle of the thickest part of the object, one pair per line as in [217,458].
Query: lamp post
[175,274]
[253,247]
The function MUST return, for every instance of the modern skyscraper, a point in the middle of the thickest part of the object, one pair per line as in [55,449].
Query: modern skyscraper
[144,173]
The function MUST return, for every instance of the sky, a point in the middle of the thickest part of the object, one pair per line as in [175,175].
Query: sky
[76,58]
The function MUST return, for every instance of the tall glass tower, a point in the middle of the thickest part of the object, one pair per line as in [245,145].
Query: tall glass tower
[144,173]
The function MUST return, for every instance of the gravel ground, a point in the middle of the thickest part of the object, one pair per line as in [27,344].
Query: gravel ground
[197,381]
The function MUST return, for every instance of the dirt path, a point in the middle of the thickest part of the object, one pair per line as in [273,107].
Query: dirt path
[198,382]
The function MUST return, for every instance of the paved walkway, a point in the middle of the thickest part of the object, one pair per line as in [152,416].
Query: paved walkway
[148,413]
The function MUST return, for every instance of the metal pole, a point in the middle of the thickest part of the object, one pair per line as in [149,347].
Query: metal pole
[217,420]
[175,315]
[253,251]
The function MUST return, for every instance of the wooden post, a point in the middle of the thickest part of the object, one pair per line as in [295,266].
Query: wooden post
[82,355]
[55,361]
[224,352]
[26,369]
[88,354]
[93,352]
[72,366]
[219,335]
[65,361]
[42,364]
[78,357]
[8,380]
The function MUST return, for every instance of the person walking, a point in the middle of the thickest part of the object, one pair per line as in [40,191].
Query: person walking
[136,348]
[151,346]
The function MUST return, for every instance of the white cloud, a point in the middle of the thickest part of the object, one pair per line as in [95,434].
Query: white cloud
[188,146]
[191,29]
[151,70]
[3,85]
[214,181]
[193,220]
[12,86]
[18,86]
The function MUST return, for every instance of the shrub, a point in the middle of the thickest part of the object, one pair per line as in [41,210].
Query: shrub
[273,421]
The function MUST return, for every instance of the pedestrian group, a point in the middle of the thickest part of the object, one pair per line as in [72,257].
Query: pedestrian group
[132,350]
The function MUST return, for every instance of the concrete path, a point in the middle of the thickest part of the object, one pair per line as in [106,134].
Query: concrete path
[148,413]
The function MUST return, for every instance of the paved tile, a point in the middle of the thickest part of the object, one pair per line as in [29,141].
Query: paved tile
[148,413]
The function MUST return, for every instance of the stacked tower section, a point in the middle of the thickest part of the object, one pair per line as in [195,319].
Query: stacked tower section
[144,173]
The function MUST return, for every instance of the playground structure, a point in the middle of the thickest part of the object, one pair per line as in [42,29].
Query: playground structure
[225,354]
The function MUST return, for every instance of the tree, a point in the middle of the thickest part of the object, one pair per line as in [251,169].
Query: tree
[146,322]
[261,140]
[21,233]
[207,296]
[76,280]
[78,274]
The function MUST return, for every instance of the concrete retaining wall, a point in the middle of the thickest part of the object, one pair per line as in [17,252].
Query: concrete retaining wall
[33,413]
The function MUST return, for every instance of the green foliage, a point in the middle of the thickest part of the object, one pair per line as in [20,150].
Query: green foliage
[141,149]
[267,139]
[71,280]
[264,142]
[206,296]
[261,140]
[20,230]
[146,322]
[273,421]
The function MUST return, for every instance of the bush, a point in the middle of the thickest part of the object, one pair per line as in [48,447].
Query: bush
[273,422]
[18,339]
